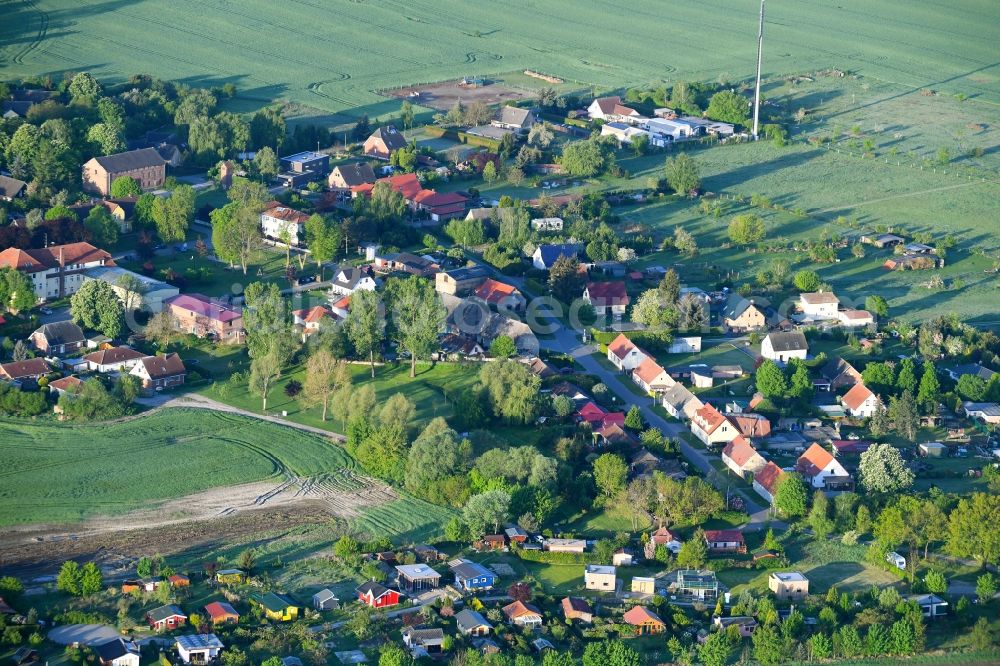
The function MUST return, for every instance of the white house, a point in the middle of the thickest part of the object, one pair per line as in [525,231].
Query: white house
[931,605]
[623,132]
[350,279]
[711,427]
[690,345]
[547,255]
[278,218]
[625,355]
[118,652]
[607,298]
[113,360]
[198,648]
[611,109]
[680,403]
[57,271]
[599,577]
[781,346]
[860,402]
[819,304]
[739,456]
[852,318]
[674,128]
[821,469]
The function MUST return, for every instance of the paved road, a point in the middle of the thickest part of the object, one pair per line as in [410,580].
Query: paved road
[568,341]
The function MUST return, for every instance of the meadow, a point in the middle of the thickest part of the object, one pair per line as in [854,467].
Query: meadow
[64,473]
[335,56]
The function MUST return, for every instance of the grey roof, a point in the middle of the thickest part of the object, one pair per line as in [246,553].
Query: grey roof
[352,275]
[111,275]
[11,187]
[468,620]
[199,642]
[325,594]
[986,408]
[391,137]
[115,648]
[512,115]
[470,570]
[735,306]
[416,571]
[790,341]
[165,612]
[836,367]
[677,396]
[356,174]
[469,273]
[133,159]
[61,333]
[976,369]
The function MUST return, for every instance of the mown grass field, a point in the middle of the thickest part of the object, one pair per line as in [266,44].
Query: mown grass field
[334,55]
[64,473]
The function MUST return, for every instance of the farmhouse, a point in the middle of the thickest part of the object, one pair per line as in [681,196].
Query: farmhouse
[780,347]
[145,165]
[383,142]
[606,298]
[166,618]
[304,167]
[198,648]
[204,317]
[765,482]
[325,600]
[377,596]
[644,620]
[118,652]
[741,315]
[860,401]
[599,577]
[818,467]
[742,458]
[56,271]
[521,614]
[460,281]
[345,176]
[417,577]
[58,338]
[711,427]
[472,577]
[501,296]
[278,220]
[220,612]
[279,607]
[725,541]
[819,305]
[114,359]
[788,585]
[160,372]
[472,623]
[28,371]
[624,354]
[575,608]
[546,255]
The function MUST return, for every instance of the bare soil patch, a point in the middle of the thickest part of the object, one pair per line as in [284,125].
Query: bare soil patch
[442,96]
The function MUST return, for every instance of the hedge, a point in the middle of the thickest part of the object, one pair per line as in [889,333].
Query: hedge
[548,557]
[462,137]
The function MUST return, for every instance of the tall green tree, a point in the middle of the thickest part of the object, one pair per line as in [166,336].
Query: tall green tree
[728,107]
[770,380]
[694,551]
[174,214]
[96,306]
[418,316]
[365,325]
[236,234]
[323,237]
[102,226]
[682,174]
[486,511]
[512,391]
[125,186]
[972,528]
[264,317]
[265,163]
[16,291]
[819,516]
[265,369]
[883,470]
[746,229]
[91,579]
[610,474]
[68,580]
[791,496]
[929,391]
[565,280]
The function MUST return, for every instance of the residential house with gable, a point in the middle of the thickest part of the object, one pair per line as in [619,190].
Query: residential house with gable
[821,470]
[739,456]
[607,298]
[145,165]
[545,256]
[345,176]
[860,401]
[711,427]
[277,219]
[349,279]
[624,354]
[514,118]
[58,338]
[781,347]
[765,482]
[204,317]
[160,372]
[501,296]
[56,271]
[819,305]
[383,142]
[652,378]
[740,315]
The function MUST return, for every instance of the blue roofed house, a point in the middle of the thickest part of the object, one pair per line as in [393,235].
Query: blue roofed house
[546,255]
[472,577]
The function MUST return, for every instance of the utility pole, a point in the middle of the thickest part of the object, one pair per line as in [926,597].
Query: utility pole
[760,53]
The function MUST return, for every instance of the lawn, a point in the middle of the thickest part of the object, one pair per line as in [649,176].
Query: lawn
[213,278]
[428,391]
[65,473]
[333,56]
[825,564]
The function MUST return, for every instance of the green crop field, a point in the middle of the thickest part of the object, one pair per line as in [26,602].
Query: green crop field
[64,473]
[334,55]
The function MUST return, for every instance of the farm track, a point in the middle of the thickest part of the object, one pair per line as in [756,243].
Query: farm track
[43,29]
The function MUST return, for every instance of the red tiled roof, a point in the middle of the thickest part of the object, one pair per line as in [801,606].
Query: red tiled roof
[39,259]
[813,460]
[640,615]
[494,292]
[613,418]
[518,609]
[709,418]
[739,451]
[724,535]
[113,355]
[621,346]
[608,104]
[663,536]
[751,425]
[158,367]
[591,412]
[316,314]
[648,370]
[856,397]
[768,477]
[219,610]
[66,383]
[280,211]
[31,368]
[603,294]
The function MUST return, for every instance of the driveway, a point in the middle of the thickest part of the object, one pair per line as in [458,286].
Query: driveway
[85,634]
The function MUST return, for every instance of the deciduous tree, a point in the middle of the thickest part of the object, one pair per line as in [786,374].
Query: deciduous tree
[682,174]
[883,471]
[418,316]
[325,375]
[365,325]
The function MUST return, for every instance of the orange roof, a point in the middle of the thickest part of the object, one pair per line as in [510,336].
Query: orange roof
[621,346]
[768,477]
[663,536]
[344,303]
[494,292]
[751,425]
[814,460]
[66,383]
[709,418]
[648,370]
[220,610]
[856,397]
[518,609]
[739,451]
[49,257]
[640,615]
[316,314]
[280,211]
[20,260]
